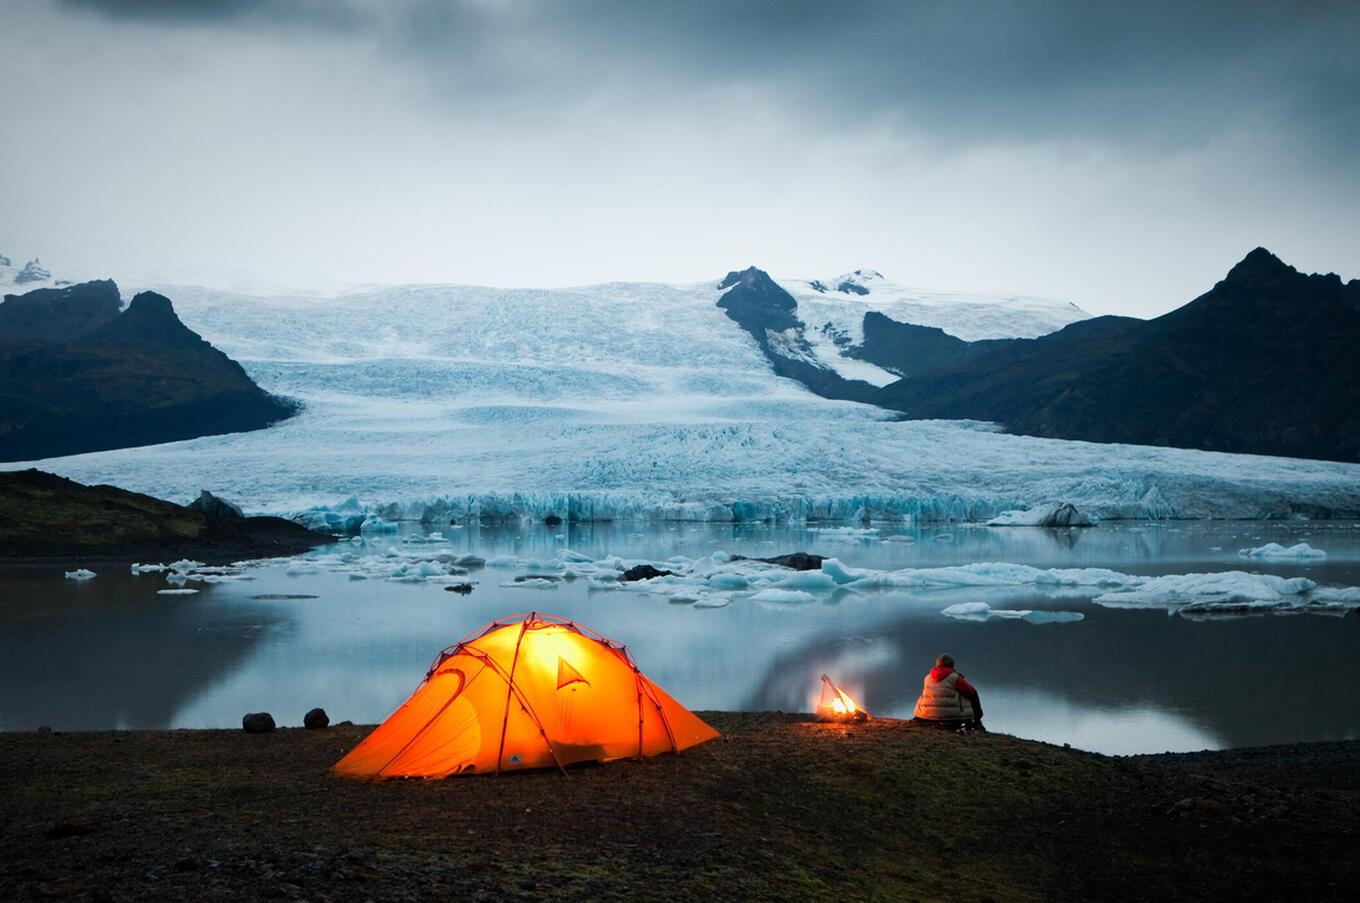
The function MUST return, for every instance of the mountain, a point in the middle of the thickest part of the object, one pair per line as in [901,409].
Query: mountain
[1265,362]
[78,373]
[635,402]
[829,334]
[32,272]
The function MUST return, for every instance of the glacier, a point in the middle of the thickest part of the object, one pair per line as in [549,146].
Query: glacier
[637,402]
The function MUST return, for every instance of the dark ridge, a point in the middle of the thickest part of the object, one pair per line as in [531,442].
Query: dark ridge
[760,306]
[80,376]
[47,315]
[1265,362]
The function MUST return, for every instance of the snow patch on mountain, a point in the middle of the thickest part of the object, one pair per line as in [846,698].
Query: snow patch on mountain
[840,302]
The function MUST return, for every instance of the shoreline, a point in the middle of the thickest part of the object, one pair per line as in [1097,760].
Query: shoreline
[778,807]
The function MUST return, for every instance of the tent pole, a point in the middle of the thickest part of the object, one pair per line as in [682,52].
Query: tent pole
[510,690]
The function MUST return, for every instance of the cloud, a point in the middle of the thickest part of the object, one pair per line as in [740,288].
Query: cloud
[1120,155]
[1154,74]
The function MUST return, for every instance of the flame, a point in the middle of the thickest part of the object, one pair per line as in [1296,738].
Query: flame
[840,706]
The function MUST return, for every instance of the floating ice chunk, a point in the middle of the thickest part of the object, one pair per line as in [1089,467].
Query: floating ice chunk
[683,598]
[728,582]
[148,568]
[1223,588]
[900,537]
[571,557]
[175,592]
[300,568]
[981,611]
[1275,550]
[812,581]
[1054,617]
[531,583]
[784,596]
[1348,596]
[80,574]
[713,600]
[1061,514]
[502,561]
[841,573]
[865,533]
[967,608]
[185,565]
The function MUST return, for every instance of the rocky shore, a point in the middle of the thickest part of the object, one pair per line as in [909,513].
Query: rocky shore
[47,518]
[778,808]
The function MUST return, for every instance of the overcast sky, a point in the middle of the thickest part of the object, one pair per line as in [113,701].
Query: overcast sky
[1120,155]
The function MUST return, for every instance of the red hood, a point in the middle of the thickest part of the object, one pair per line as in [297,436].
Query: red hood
[940,672]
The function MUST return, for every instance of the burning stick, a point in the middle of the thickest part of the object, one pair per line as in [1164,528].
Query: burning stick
[837,705]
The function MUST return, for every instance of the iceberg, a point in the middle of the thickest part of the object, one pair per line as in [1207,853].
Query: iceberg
[981,611]
[1300,550]
[80,574]
[784,596]
[1222,589]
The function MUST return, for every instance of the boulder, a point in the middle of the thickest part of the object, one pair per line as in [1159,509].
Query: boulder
[316,719]
[257,723]
[1065,515]
[213,506]
[643,572]
[461,589]
[798,561]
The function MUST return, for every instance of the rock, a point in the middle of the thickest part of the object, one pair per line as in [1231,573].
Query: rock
[257,723]
[798,561]
[461,588]
[344,724]
[213,506]
[44,729]
[1065,515]
[551,578]
[643,572]
[316,719]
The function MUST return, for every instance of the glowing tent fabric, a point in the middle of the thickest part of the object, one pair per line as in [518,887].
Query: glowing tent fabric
[526,692]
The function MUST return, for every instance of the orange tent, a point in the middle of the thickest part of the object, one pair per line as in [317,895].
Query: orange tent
[525,692]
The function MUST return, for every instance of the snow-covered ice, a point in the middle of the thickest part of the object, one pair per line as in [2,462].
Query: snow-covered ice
[80,574]
[633,402]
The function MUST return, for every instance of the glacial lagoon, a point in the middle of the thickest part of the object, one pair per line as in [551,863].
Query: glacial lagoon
[115,652]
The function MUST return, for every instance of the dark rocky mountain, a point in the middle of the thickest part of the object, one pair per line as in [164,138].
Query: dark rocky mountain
[53,315]
[78,373]
[1266,362]
[765,310]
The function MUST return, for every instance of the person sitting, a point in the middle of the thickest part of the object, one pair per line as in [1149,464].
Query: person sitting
[947,700]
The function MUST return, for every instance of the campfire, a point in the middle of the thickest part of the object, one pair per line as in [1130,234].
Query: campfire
[837,705]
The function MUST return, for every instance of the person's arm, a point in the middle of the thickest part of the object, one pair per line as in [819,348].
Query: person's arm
[969,692]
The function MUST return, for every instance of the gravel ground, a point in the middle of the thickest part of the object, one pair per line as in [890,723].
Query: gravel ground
[777,808]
